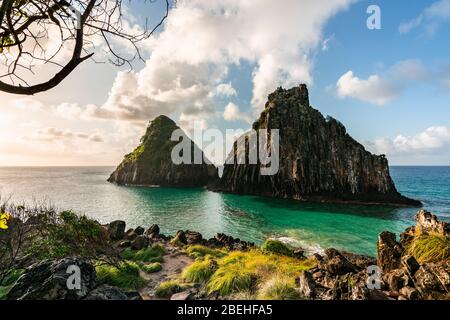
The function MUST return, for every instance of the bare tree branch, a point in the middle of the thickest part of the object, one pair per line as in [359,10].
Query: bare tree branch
[28,26]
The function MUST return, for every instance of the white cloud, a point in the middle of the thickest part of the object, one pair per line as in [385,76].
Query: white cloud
[432,139]
[233,113]
[226,90]
[201,39]
[374,90]
[380,89]
[432,16]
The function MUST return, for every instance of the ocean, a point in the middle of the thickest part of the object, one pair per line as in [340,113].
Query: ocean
[312,226]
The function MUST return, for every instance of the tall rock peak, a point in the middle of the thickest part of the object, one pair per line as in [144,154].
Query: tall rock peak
[151,164]
[319,161]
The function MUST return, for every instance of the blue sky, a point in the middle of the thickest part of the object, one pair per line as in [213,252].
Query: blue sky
[215,62]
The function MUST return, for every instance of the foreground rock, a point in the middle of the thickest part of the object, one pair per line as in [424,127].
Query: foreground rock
[50,279]
[337,275]
[47,280]
[319,161]
[150,163]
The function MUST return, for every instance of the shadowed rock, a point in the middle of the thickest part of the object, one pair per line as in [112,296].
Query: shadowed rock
[150,164]
[318,160]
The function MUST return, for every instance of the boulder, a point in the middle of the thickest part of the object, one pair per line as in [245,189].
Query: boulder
[307,285]
[105,292]
[299,254]
[396,279]
[185,295]
[48,280]
[124,244]
[193,237]
[432,277]
[428,223]
[410,293]
[337,264]
[141,242]
[389,252]
[130,234]
[139,231]
[411,264]
[152,231]
[116,229]
[179,239]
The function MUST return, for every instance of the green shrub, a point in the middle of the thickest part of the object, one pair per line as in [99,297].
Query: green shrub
[167,288]
[199,251]
[150,254]
[67,234]
[278,288]
[429,248]
[277,247]
[199,271]
[230,279]
[12,276]
[9,280]
[125,275]
[151,267]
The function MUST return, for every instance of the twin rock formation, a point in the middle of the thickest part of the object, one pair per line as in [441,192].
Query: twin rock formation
[318,160]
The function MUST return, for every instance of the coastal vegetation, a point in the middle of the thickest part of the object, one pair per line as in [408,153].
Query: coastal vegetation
[125,275]
[256,273]
[40,243]
[430,248]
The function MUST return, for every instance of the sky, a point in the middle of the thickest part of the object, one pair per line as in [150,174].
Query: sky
[214,63]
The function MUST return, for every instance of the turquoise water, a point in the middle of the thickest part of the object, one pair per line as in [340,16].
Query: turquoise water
[312,226]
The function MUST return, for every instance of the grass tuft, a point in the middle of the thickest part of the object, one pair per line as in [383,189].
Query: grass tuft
[230,279]
[167,288]
[275,246]
[199,251]
[198,272]
[125,275]
[151,267]
[279,288]
[150,254]
[430,248]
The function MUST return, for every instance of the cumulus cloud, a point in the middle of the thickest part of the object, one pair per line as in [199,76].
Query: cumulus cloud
[431,17]
[431,139]
[380,89]
[225,90]
[201,39]
[233,113]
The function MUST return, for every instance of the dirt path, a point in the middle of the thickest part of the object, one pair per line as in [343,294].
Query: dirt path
[174,262]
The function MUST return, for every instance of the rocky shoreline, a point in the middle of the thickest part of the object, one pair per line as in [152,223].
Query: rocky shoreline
[395,275]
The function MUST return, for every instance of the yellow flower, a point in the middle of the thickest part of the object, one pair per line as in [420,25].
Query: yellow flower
[4,217]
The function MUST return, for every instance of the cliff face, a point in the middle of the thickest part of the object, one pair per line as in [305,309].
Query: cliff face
[151,164]
[319,161]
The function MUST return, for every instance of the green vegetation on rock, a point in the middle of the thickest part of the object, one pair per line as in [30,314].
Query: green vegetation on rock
[9,280]
[150,254]
[151,267]
[279,288]
[430,248]
[167,288]
[125,275]
[198,272]
[246,272]
[275,246]
[199,251]
[65,234]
